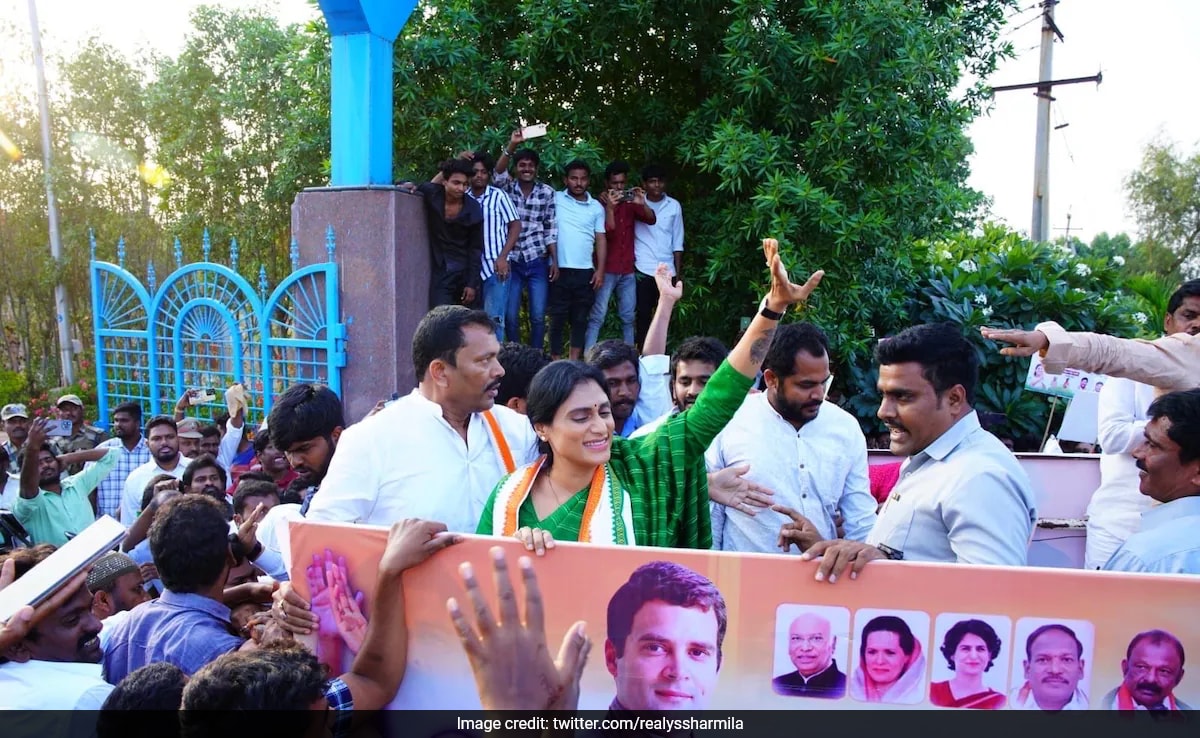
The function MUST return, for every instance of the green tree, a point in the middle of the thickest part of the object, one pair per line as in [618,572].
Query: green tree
[1165,196]
[233,132]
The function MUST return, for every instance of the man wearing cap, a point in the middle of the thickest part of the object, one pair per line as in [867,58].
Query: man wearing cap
[16,427]
[189,437]
[115,582]
[84,436]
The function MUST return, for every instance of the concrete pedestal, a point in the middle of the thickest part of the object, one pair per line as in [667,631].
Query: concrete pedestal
[383,252]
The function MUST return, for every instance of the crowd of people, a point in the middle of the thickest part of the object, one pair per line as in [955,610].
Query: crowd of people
[499,239]
[730,449]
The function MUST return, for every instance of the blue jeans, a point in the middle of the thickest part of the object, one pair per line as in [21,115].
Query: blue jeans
[534,275]
[626,289]
[495,303]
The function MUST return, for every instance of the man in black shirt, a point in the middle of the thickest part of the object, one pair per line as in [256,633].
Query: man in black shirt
[455,225]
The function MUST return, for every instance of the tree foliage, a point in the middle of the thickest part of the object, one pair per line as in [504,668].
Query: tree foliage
[1165,196]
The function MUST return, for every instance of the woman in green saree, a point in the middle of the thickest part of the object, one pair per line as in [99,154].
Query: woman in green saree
[593,486]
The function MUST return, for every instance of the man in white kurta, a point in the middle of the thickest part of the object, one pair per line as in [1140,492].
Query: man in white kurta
[433,454]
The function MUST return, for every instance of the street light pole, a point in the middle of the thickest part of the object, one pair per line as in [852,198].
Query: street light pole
[60,291]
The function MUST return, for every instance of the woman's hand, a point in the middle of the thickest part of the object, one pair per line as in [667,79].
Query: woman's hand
[535,539]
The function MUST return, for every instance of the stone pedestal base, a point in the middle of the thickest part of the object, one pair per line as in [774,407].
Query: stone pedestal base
[383,252]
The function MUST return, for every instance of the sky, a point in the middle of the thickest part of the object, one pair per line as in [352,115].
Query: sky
[1147,52]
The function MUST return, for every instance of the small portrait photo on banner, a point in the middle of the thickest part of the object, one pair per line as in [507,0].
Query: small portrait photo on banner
[890,656]
[970,659]
[812,651]
[666,626]
[1052,664]
[1150,672]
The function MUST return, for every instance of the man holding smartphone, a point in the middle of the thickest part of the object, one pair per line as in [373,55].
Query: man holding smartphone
[622,208]
[82,435]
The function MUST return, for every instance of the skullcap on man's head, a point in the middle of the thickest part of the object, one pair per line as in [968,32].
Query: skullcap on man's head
[110,567]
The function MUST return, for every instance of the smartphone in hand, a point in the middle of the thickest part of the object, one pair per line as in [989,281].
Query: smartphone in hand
[534,131]
[58,428]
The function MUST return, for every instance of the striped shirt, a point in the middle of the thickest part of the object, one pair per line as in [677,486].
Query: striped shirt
[539,222]
[108,493]
[498,212]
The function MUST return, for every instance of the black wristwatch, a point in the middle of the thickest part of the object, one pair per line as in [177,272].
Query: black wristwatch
[890,552]
[767,312]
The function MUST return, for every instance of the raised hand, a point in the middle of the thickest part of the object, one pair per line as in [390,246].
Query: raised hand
[663,279]
[783,291]
[730,488]
[248,530]
[510,658]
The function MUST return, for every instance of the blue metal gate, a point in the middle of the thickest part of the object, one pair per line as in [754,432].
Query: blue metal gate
[207,326]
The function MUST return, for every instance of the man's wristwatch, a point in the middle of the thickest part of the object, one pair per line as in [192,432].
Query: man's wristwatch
[767,312]
[890,552]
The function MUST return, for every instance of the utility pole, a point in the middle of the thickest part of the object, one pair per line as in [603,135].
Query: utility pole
[1041,159]
[60,291]
[1039,229]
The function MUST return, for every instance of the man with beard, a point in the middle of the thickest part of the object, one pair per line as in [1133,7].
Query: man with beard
[204,476]
[1115,509]
[809,451]
[533,262]
[51,507]
[56,666]
[127,429]
[692,365]
[16,427]
[165,458]
[437,453]
[189,435]
[1168,461]
[581,253]
[962,496]
[306,423]
[1152,669]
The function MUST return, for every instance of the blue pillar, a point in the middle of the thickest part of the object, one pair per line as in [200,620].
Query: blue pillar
[362,33]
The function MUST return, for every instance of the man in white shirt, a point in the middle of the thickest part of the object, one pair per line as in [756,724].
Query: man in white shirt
[437,453]
[581,252]
[811,453]
[1116,507]
[162,438]
[56,666]
[660,242]
[1115,510]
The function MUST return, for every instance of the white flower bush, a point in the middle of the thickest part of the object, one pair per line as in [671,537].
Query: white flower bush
[1083,270]
[1119,260]
[968,266]
[1140,317]
[980,298]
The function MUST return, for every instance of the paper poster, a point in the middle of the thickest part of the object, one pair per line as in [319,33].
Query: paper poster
[763,634]
[1066,385]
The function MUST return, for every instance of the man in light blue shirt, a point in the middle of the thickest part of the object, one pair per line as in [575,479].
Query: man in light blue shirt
[1169,461]
[962,496]
[581,253]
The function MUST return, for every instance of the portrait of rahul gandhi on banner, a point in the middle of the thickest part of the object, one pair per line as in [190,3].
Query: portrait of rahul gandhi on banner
[666,626]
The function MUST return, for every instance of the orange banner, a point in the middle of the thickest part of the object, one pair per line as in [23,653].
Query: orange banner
[902,635]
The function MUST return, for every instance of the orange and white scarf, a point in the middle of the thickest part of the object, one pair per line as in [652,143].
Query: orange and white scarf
[1125,701]
[607,514]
